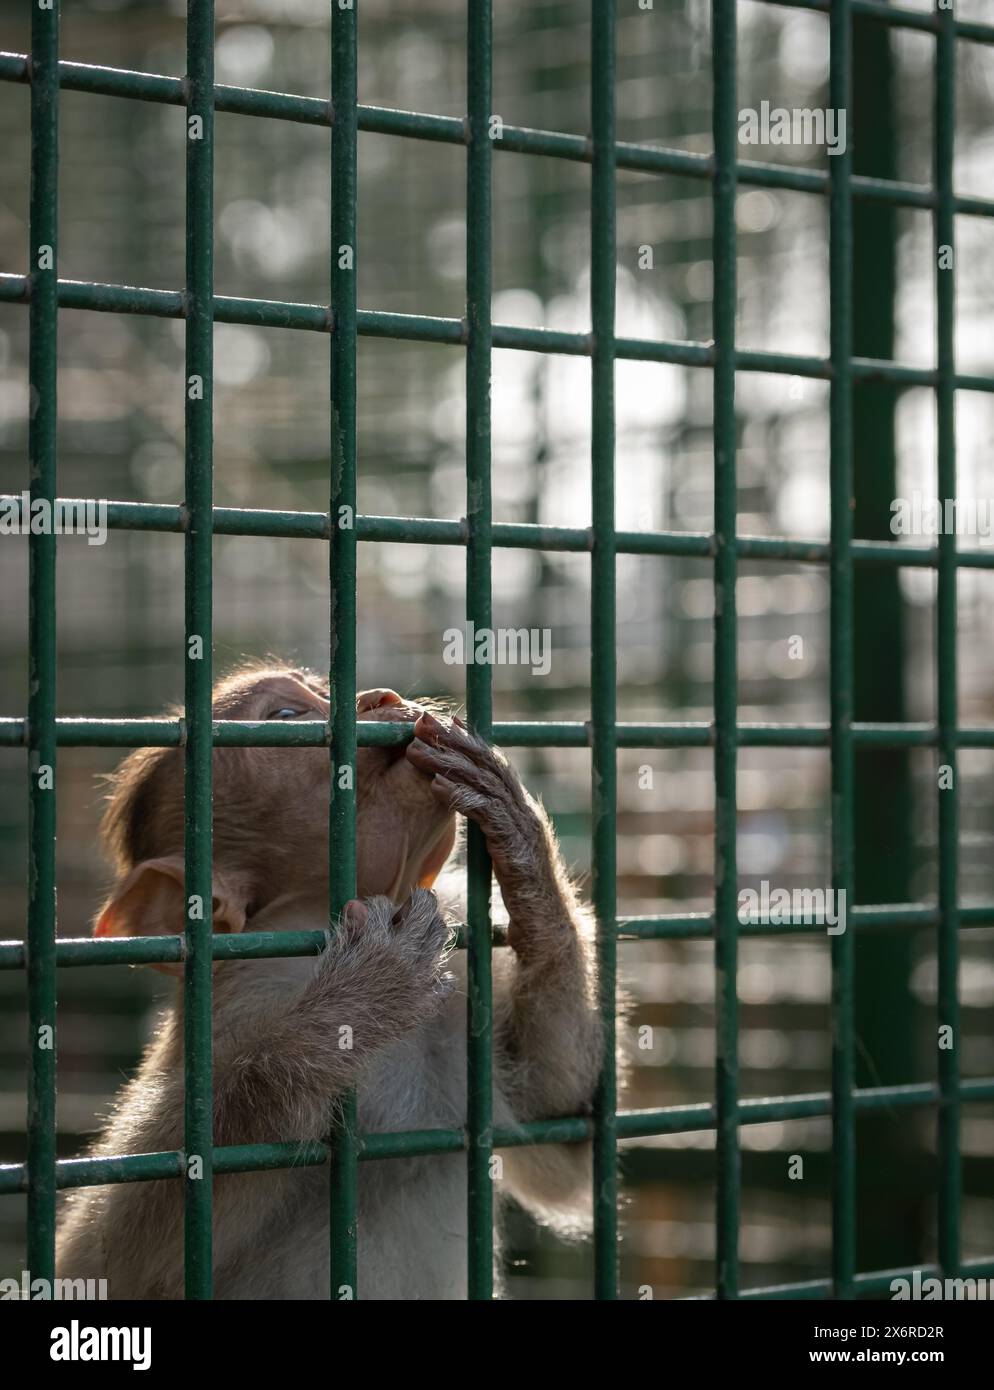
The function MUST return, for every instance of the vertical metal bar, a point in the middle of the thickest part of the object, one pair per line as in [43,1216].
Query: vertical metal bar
[41,975]
[479,703]
[603,696]
[946,665]
[342,617]
[886,1013]
[198,603]
[725,126]
[841,631]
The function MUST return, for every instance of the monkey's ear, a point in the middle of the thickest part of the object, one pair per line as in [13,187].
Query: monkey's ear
[149,902]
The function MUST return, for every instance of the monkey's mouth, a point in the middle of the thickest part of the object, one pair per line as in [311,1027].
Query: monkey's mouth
[438,853]
[420,870]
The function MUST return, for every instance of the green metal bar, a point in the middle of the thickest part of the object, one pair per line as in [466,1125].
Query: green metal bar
[724,126]
[197,1012]
[167,733]
[700,925]
[974,30]
[632,1124]
[651,159]
[42,656]
[877,1282]
[267,313]
[950,1176]
[342,617]
[479,610]
[898,17]
[603,680]
[841,678]
[43,733]
[253,521]
[885,1010]
[73,952]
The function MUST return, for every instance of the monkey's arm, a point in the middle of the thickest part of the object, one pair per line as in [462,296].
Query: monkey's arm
[279,1066]
[547,1026]
[548,1036]
[279,1063]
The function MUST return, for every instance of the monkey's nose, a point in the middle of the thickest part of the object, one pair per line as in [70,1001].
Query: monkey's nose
[376,699]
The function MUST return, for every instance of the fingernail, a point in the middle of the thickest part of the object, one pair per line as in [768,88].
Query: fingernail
[355,911]
[428,727]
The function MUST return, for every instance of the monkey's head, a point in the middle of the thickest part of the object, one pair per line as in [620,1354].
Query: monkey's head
[270,814]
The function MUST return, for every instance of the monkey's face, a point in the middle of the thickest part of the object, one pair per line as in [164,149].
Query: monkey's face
[270,815]
[403,834]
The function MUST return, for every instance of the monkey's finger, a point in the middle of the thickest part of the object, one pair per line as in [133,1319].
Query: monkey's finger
[456,749]
[443,789]
[457,797]
[421,901]
[429,757]
[373,699]
[458,752]
[355,915]
[419,922]
[455,767]
[433,757]
[457,737]
[397,920]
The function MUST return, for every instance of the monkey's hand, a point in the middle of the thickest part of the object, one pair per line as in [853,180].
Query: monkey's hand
[397,953]
[547,1027]
[476,780]
[382,975]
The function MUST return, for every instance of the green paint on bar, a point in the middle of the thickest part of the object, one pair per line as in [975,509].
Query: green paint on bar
[41,733]
[603,678]
[198,393]
[725,129]
[841,660]
[479,338]
[343,1193]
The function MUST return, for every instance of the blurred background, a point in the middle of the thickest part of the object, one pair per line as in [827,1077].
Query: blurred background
[121,605]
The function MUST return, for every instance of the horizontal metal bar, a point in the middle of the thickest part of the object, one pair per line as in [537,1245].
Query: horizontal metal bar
[974,30]
[129,299]
[413,1143]
[692,925]
[84,951]
[307,733]
[169,304]
[251,521]
[898,17]
[450,130]
[632,1124]
[877,1281]
[289,525]
[149,950]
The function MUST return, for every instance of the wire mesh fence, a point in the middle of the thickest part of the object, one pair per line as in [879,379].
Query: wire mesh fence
[721,732]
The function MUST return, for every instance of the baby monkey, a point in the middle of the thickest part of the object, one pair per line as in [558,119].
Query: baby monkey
[382,1008]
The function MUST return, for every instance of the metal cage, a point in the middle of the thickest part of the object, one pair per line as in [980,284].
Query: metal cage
[41,733]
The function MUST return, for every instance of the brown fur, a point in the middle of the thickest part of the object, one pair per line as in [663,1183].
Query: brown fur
[387,975]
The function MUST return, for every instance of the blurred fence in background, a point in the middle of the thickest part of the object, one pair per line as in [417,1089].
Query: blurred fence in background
[120,605]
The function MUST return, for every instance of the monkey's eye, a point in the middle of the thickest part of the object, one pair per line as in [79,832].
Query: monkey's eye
[285,713]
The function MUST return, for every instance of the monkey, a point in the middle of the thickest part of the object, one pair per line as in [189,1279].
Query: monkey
[388,980]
